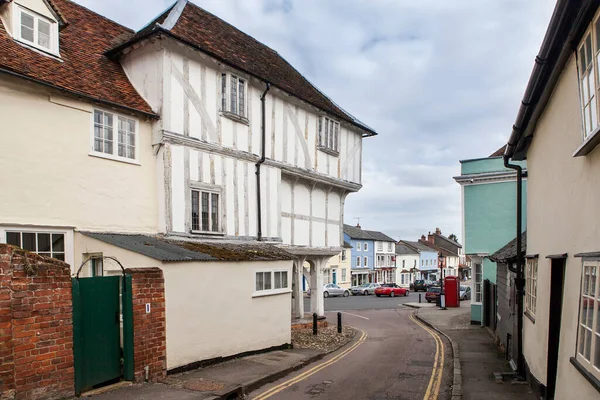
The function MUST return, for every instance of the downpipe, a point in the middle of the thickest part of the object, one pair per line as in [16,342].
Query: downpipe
[519,280]
[263,98]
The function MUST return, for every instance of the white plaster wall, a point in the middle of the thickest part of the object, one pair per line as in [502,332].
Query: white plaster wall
[143,68]
[38,6]
[48,177]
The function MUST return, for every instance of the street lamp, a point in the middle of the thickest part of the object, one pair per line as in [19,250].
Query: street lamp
[442,293]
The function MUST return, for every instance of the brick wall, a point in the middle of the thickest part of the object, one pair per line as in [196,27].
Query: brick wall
[149,329]
[36,331]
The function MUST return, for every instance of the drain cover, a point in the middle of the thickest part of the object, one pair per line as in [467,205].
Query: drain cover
[201,385]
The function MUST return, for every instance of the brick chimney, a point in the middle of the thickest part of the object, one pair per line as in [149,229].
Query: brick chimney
[422,237]
[430,238]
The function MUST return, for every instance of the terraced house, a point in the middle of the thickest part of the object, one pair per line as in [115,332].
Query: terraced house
[188,146]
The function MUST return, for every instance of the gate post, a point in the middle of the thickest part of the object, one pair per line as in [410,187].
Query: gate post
[77,337]
[127,307]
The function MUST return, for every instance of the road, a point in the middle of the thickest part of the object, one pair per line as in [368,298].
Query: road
[391,357]
[371,302]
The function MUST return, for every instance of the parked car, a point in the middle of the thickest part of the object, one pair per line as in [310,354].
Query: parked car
[390,289]
[364,289]
[421,284]
[331,289]
[433,292]
[465,292]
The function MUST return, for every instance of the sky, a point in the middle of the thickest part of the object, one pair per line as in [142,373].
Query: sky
[439,80]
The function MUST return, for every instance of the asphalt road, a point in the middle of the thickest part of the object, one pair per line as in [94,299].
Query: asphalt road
[370,302]
[391,357]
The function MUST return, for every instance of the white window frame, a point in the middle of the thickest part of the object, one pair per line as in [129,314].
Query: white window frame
[344,255]
[358,246]
[69,256]
[365,246]
[379,246]
[588,60]
[365,262]
[54,36]
[531,273]
[588,331]
[227,100]
[198,187]
[115,138]
[328,142]
[390,246]
[344,275]
[478,283]
[358,261]
[272,291]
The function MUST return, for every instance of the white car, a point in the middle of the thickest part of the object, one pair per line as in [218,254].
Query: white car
[331,289]
[465,292]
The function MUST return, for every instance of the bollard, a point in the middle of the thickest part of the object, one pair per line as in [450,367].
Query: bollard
[419,297]
[314,323]
[339,322]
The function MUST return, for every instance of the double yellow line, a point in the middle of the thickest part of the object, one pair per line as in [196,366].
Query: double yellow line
[433,388]
[282,386]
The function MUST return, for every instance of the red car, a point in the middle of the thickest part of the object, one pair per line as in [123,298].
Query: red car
[433,292]
[390,289]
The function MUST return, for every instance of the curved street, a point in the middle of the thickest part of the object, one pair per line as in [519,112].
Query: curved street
[392,356]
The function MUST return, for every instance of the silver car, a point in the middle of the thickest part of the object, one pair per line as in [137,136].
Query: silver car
[364,289]
[465,292]
[331,289]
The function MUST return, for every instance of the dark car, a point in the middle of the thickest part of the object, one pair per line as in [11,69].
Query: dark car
[420,284]
[433,292]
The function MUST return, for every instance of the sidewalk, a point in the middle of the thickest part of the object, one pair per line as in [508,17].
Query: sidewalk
[220,381]
[477,354]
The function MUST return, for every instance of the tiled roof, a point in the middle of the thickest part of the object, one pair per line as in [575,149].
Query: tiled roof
[215,37]
[509,251]
[499,152]
[83,69]
[418,246]
[174,250]
[403,249]
[358,233]
[448,240]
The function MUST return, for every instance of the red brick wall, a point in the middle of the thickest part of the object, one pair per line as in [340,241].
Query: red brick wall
[149,329]
[36,330]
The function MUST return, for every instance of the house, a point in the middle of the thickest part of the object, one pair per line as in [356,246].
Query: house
[448,249]
[556,132]
[187,146]
[488,207]
[373,255]
[338,268]
[428,259]
[506,325]
[385,257]
[407,264]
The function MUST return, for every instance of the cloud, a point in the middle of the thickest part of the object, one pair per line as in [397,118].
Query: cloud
[439,80]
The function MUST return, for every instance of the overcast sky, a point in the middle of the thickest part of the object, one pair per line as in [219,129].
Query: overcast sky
[439,80]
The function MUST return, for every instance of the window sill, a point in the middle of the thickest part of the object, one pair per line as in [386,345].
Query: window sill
[113,158]
[235,117]
[530,316]
[274,292]
[330,152]
[207,233]
[595,382]
[588,144]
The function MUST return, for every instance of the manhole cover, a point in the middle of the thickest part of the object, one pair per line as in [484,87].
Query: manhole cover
[201,385]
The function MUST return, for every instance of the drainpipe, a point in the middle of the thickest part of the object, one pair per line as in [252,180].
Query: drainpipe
[519,280]
[260,161]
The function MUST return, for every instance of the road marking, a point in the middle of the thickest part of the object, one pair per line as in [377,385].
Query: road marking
[282,386]
[349,313]
[433,388]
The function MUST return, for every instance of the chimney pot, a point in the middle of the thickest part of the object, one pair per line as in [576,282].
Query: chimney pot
[438,231]
[358,226]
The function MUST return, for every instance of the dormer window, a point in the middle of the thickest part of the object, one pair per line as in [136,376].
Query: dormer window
[36,30]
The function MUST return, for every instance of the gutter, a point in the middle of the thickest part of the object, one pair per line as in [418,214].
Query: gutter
[520,279]
[262,159]
[79,94]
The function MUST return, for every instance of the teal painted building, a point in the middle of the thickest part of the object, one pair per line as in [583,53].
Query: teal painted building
[489,200]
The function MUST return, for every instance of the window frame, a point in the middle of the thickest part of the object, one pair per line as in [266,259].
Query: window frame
[358,259]
[211,190]
[365,246]
[325,142]
[272,290]
[531,275]
[115,138]
[592,365]
[379,246]
[365,262]
[18,11]
[358,246]
[478,283]
[68,237]
[226,108]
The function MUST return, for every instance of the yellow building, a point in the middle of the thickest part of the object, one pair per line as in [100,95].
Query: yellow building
[337,269]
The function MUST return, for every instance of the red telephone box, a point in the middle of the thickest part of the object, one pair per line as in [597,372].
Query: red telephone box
[452,291]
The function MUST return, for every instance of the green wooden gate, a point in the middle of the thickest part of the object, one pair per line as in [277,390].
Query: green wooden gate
[98,354]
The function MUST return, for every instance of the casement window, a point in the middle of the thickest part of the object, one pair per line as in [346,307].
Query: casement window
[205,211]
[329,132]
[389,246]
[114,136]
[96,262]
[531,286]
[358,246]
[478,283]
[358,261]
[35,30]
[365,262]
[588,338]
[344,275]
[379,246]
[366,247]
[233,94]
[271,282]
[43,243]
[588,56]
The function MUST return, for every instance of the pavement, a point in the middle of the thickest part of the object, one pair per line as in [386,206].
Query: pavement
[475,355]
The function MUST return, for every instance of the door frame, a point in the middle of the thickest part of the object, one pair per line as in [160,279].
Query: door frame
[557,281]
